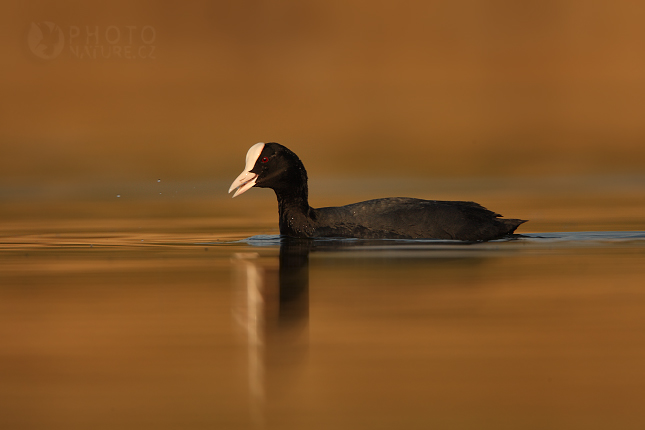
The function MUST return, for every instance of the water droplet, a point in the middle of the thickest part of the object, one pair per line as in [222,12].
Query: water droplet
[118,195]
[158,180]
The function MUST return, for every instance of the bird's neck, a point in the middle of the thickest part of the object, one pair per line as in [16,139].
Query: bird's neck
[294,212]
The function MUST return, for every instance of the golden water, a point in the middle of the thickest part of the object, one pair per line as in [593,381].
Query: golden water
[154,314]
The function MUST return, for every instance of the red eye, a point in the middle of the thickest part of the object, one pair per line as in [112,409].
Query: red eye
[264,159]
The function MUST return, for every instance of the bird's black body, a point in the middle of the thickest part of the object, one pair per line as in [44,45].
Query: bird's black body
[276,167]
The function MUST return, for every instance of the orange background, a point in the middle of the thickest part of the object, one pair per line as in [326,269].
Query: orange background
[416,88]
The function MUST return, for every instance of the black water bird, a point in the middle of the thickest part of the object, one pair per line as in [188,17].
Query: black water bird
[271,165]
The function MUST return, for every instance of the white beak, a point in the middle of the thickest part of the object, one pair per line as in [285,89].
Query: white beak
[243,182]
[246,180]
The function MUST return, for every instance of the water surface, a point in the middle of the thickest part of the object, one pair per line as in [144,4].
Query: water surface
[176,321]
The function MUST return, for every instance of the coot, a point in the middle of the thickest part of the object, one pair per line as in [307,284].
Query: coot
[271,165]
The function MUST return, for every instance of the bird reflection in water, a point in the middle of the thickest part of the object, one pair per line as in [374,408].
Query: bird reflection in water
[273,308]
[274,299]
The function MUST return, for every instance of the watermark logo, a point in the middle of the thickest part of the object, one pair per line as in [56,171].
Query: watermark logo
[48,41]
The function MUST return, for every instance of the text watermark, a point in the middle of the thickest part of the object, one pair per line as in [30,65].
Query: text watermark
[48,41]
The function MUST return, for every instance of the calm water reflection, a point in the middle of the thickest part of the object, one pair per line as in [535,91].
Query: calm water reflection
[183,323]
[522,331]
